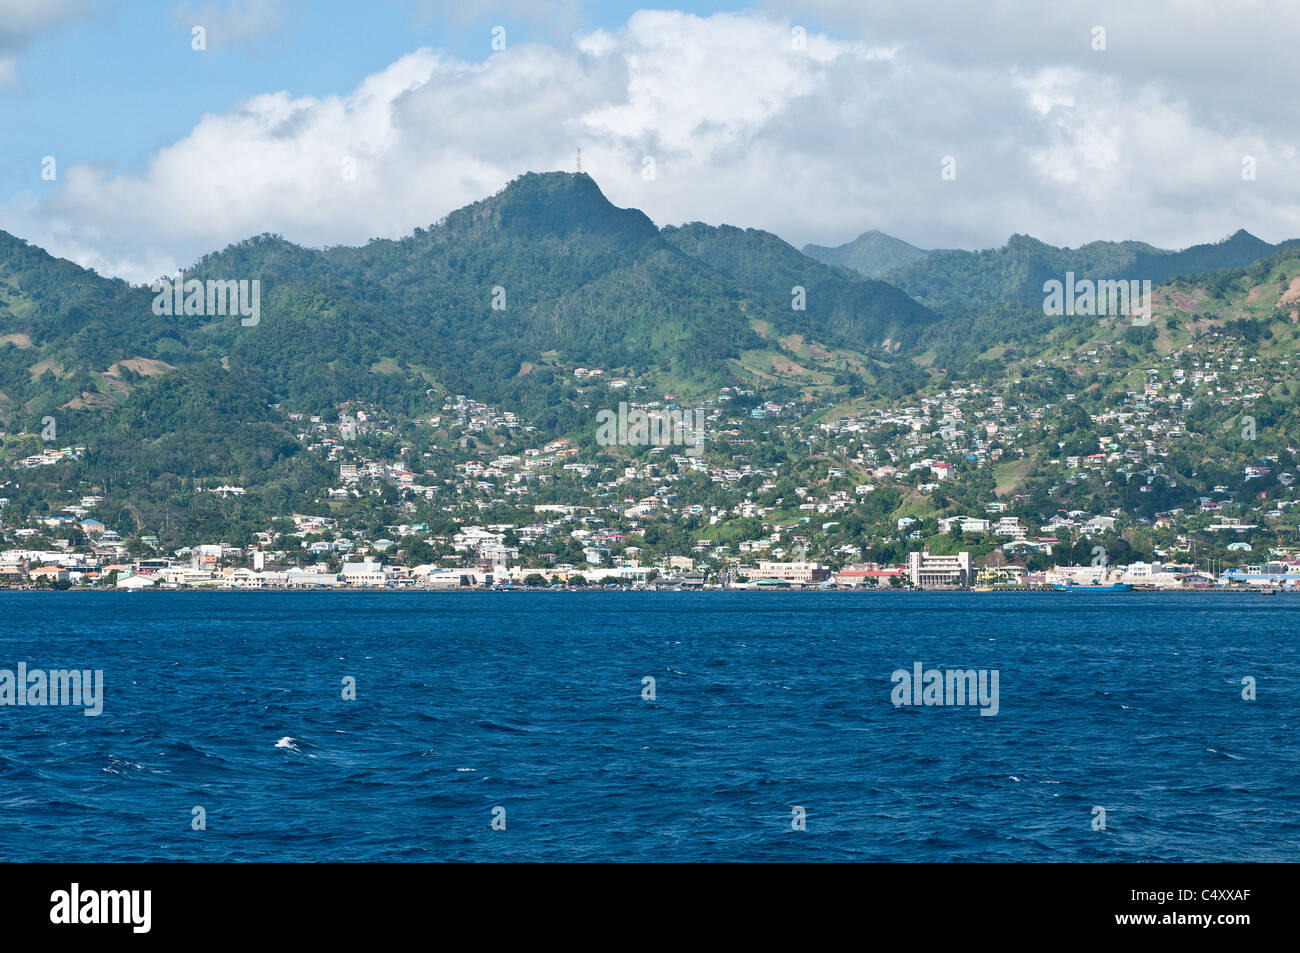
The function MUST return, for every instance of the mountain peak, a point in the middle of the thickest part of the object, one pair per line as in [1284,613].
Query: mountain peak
[1022,240]
[1243,237]
[873,253]
[558,204]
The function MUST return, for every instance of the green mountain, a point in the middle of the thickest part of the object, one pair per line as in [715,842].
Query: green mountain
[503,301]
[502,298]
[849,313]
[872,253]
[963,281]
[500,301]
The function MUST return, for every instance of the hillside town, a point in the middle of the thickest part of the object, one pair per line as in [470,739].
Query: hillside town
[1035,482]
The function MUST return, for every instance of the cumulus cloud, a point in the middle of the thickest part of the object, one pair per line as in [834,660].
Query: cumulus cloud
[741,119]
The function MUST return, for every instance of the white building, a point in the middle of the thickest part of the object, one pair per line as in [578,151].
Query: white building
[795,573]
[1010,526]
[297,579]
[366,573]
[136,582]
[924,569]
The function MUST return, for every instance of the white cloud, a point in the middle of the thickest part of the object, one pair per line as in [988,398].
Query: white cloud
[816,144]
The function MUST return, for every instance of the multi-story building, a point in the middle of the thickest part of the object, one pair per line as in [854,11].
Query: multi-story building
[924,569]
[1010,526]
[796,573]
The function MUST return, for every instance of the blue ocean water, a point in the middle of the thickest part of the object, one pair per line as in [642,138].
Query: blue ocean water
[532,701]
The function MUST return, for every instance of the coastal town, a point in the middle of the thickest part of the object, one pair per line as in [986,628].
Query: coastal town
[1038,482]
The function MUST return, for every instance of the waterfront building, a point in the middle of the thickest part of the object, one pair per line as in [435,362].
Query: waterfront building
[925,569]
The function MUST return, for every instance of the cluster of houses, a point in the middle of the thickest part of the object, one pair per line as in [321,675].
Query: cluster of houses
[487,559]
[50,457]
[922,571]
[489,460]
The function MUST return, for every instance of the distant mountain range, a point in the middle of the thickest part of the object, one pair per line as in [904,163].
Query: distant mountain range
[490,302]
[961,281]
[501,301]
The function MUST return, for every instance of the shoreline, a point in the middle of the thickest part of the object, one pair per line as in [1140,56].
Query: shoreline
[1036,590]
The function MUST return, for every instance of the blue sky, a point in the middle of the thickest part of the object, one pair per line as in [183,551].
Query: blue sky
[817,121]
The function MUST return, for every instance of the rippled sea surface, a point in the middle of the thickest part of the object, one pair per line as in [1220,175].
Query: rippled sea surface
[764,702]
